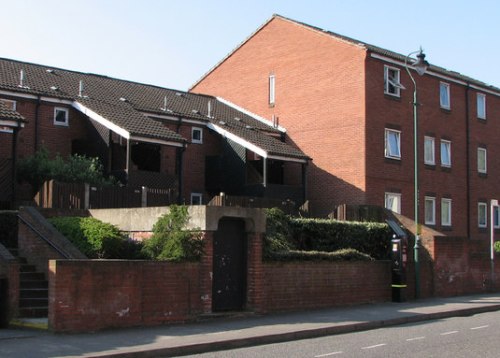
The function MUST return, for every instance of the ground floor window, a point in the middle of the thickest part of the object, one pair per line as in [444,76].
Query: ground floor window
[446,212]
[482,214]
[196,199]
[430,210]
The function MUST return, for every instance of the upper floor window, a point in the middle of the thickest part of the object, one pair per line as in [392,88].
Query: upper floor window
[197,135]
[392,144]
[446,212]
[481,106]
[12,106]
[392,83]
[444,95]
[272,89]
[430,210]
[429,151]
[445,153]
[393,202]
[481,160]
[196,199]
[61,117]
[482,214]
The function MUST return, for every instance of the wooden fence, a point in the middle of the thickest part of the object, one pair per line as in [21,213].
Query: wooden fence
[58,195]
[287,206]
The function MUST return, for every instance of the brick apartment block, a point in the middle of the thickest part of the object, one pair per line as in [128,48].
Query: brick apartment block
[348,105]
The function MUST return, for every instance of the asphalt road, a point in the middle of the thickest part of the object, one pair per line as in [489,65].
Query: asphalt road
[458,337]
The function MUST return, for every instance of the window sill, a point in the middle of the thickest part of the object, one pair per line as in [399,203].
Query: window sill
[393,160]
[392,97]
[482,175]
[61,124]
[445,110]
[446,228]
[430,166]
[446,169]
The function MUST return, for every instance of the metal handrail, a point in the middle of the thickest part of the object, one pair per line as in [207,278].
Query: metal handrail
[42,236]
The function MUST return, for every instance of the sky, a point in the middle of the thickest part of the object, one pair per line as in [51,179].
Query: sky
[173,43]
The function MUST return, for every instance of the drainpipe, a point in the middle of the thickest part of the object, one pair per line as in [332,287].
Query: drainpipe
[180,169]
[467,157]
[37,115]
[14,163]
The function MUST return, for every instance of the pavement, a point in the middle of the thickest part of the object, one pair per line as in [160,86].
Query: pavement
[234,332]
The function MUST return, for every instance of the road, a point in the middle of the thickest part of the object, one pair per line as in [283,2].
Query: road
[457,337]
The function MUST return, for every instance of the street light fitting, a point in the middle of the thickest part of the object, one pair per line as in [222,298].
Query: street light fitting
[421,64]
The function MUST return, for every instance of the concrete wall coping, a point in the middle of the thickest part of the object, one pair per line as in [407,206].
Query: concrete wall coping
[205,218]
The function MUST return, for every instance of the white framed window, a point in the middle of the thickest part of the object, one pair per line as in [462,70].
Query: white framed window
[430,210]
[445,212]
[481,106]
[393,202]
[196,199]
[429,150]
[482,214]
[392,84]
[61,117]
[272,89]
[197,135]
[444,95]
[10,104]
[445,153]
[392,144]
[496,217]
[482,166]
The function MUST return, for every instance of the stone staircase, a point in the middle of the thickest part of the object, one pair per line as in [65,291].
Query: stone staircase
[33,292]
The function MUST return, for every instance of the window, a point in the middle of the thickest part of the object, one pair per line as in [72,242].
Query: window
[392,84]
[196,135]
[446,212]
[481,106]
[444,95]
[12,106]
[496,216]
[481,160]
[61,116]
[392,144]
[393,202]
[272,89]
[445,153]
[429,152]
[196,199]
[482,214]
[430,210]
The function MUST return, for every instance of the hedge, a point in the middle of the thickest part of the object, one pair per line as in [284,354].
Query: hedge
[285,234]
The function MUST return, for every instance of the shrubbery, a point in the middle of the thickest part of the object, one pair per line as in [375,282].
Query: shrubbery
[496,246]
[285,236]
[39,168]
[170,240]
[96,239]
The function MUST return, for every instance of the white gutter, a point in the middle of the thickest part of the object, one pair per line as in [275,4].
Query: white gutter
[438,75]
[250,146]
[100,119]
[156,141]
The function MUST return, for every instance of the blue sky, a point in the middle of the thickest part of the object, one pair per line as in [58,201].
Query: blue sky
[172,43]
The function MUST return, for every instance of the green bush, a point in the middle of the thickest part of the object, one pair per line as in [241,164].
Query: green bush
[40,168]
[170,241]
[339,255]
[284,233]
[94,238]
[496,246]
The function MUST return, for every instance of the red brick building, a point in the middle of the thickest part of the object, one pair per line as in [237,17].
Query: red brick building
[147,135]
[349,106]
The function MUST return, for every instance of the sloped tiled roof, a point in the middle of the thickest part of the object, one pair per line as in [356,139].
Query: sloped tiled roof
[9,114]
[124,103]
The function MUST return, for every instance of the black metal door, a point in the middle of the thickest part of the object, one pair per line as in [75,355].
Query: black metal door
[229,274]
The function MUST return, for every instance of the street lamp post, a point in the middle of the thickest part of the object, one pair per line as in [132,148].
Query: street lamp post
[420,65]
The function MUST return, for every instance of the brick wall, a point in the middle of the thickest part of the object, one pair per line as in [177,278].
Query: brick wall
[293,286]
[319,100]
[92,295]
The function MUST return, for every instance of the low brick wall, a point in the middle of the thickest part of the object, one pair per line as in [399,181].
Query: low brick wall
[88,295]
[295,286]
